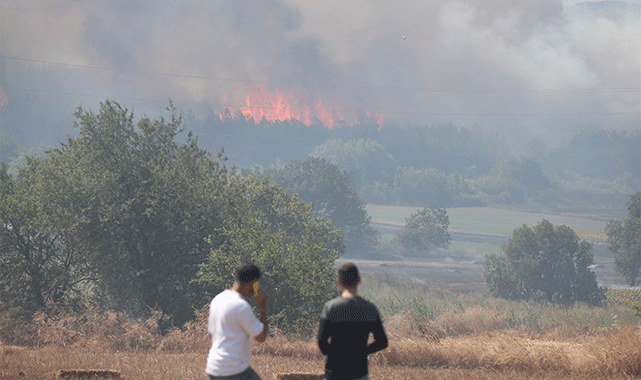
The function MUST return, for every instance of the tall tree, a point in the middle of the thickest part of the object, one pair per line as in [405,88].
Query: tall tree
[38,262]
[624,239]
[543,263]
[333,196]
[144,200]
[296,250]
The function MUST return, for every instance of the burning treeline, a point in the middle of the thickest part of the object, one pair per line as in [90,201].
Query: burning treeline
[279,106]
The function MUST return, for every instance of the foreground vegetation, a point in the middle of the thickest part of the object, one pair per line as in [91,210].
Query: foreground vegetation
[434,334]
[473,357]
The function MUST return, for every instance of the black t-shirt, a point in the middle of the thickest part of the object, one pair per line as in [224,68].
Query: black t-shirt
[348,322]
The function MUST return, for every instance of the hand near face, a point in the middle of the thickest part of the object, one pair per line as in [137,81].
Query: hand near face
[260,298]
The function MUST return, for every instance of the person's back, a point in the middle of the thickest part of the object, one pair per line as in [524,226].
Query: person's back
[232,324]
[231,327]
[347,321]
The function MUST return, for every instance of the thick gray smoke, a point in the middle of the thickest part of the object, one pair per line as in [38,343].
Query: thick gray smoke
[522,68]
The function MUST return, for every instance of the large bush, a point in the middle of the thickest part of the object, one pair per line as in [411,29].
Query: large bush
[624,239]
[543,263]
[425,230]
[295,250]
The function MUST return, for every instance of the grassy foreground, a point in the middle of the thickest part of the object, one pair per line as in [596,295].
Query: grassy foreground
[501,356]
[434,334]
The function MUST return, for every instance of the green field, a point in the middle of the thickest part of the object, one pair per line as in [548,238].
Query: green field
[465,248]
[497,221]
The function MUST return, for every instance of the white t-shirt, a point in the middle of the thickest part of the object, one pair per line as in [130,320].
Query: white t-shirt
[232,324]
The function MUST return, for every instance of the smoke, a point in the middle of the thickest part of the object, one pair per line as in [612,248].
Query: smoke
[525,69]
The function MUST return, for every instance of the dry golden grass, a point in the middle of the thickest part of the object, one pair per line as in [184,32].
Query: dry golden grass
[473,357]
[299,376]
[472,345]
[87,374]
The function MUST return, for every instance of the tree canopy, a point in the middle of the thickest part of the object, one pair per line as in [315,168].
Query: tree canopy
[366,159]
[543,263]
[126,213]
[38,263]
[333,196]
[425,230]
[624,239]
[144,201]
[295,250]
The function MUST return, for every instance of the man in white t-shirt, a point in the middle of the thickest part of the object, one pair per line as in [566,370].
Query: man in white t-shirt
[232,324]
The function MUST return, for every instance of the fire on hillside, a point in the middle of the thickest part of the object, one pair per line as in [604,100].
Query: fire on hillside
[279,106]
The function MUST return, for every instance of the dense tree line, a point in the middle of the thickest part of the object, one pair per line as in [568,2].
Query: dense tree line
[331,192]
[134,214]
[444,166]
[449,166]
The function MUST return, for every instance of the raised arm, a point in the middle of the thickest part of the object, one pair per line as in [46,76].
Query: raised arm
[261,301]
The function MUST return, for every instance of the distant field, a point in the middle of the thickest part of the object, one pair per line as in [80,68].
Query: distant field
[473,249]
[497,221]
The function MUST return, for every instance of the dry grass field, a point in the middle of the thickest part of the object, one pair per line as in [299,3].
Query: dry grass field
[440,322]
[498,356]
[475,343]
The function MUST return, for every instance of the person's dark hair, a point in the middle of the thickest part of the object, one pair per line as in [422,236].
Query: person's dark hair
[247,273]
[348,274]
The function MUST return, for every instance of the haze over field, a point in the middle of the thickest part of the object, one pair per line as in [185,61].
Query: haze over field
[519,68]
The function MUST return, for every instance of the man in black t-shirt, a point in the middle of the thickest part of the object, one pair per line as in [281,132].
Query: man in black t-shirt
[345,325]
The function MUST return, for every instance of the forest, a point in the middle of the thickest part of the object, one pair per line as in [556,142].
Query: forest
[423,165]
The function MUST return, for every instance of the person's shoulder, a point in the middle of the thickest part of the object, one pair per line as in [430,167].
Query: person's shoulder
[331,305]
[365,302]
[229,298]
[367,305]
[334,302]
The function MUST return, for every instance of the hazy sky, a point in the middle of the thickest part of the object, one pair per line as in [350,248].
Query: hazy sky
[522,68]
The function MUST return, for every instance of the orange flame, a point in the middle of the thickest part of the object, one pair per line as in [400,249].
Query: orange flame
[3,99]
[282,106]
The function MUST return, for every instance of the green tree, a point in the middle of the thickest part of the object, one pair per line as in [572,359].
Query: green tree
[624,239]
[516,180]
[523,170]
[543,263]
[599,153]
[143,200]
[366,159]
[446,148]
[425,230]
[38,263]
[422,186]
[330,191]
[296,250]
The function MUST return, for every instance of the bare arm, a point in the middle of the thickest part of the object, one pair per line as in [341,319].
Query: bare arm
[261,301]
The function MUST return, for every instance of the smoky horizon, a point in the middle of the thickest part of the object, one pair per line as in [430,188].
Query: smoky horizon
[525,70]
